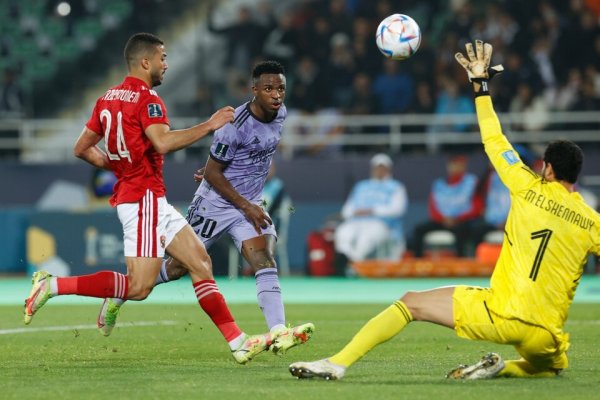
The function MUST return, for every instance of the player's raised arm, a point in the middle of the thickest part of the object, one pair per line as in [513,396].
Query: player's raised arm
[165,140]
[513,172]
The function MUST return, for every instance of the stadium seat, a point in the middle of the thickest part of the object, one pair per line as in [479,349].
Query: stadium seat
[87,32]
[439,244]
[389,250]
[494,237]
[40,68]
[24,50]
[66,50]
[54,28]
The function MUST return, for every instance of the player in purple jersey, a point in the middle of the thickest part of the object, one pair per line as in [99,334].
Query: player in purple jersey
[229,199]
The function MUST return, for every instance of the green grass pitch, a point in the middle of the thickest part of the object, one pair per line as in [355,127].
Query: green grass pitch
[186,358]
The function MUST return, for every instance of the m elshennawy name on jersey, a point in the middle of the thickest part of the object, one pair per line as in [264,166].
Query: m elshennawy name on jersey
[559,210]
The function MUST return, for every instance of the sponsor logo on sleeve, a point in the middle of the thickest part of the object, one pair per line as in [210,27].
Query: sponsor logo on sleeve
[155,110]
[510,157]
[221,149]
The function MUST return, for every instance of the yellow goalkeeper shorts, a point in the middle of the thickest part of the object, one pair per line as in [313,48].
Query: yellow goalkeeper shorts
[473,320]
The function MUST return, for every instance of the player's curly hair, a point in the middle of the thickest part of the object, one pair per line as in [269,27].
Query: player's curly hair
[140,44]
[566,159]
[266,67]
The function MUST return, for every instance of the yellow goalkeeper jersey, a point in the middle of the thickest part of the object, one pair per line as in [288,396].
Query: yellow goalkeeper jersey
[548,236]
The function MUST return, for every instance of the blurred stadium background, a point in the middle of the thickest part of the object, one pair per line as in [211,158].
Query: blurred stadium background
[346,103]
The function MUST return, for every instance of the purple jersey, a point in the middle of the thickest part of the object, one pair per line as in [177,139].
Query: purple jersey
[247,146]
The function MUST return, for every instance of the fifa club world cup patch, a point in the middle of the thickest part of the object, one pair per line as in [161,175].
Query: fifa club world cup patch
[155,110]
[221,149]
[510,157]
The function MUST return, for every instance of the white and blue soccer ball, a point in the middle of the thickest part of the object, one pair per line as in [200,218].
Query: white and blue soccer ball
[398,36]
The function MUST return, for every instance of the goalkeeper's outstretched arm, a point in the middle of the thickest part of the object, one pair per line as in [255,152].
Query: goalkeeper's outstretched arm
[504,158]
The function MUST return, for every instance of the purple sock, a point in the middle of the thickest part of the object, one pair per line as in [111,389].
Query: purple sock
[268,293]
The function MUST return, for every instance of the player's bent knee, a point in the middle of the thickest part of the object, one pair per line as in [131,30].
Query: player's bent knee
[201,268]
[411,301]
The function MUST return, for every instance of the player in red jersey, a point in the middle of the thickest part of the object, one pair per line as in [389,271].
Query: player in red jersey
[132,120]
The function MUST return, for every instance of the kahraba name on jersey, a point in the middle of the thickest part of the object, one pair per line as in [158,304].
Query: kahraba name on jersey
[129,96]
[557,209]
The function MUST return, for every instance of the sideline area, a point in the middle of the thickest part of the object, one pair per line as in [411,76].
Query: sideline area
[296,290]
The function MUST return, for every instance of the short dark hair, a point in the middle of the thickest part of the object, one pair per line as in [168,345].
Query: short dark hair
[140,44]
[266,67]
[566,159]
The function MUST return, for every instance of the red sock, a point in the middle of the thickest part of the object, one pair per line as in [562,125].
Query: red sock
[213,304]
[101,284]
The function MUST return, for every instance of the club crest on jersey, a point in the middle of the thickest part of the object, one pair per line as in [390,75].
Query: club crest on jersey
[510,157]
[221,149]
[155,110]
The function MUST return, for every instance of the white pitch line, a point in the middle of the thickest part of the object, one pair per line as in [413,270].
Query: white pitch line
[81,327]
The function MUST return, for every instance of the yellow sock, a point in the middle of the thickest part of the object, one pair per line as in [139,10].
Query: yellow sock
[379,329]
[523,369]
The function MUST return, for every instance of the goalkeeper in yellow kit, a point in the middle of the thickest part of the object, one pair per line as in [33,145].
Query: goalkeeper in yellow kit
[548,235]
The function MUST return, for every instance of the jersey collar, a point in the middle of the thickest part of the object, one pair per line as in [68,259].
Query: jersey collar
[132,80]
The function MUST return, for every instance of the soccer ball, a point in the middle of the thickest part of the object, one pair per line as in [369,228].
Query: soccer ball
[398,36]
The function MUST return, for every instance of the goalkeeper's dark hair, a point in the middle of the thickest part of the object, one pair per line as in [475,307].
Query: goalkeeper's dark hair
[139,45]
[566,159]
[266,67]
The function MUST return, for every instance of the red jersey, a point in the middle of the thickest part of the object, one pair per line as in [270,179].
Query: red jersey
[121,116]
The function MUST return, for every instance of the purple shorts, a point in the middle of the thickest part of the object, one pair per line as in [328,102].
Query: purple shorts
[210,222]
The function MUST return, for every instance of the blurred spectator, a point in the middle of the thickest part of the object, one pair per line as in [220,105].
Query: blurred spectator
[202,104]
[588,99]
[238,87]
[373,214]
[326,133]
[534,110]
[496,199]
[367,57]
[281,42]
[362,99]
[244,38]
[11,106]
[453,206]
[394,88]
[540,52]
[304,89]
[340,71]
[11,96]
[318,140]
[340,20]
[313,38]
[568,93]
[424,102]
[362,102]
[451,101]
[517,70]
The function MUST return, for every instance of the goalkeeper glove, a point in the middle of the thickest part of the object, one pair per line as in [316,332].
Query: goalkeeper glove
[478,66]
